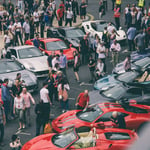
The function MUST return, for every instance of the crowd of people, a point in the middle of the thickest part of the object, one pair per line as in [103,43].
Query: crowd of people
[20,23]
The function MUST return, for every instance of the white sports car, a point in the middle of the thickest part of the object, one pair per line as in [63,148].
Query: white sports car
[32,58]
[96,27]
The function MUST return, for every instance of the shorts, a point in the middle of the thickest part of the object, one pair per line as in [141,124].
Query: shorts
[75,69]
[36,24]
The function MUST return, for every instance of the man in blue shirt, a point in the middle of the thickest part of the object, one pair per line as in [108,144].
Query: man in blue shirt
[131,33]
[36,41]
[63,62]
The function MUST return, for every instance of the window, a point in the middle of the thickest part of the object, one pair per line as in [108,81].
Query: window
[87,26]
[13,52]
[117,136]
[62,32]
[105,117]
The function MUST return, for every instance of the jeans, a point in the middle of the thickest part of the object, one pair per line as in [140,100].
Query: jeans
[17,36]
[131,45]
[39,124]
[2,132]
[27,116]
[21,115]
[69,20]
[26,37]
[64,105]
[60,22]
[7,109]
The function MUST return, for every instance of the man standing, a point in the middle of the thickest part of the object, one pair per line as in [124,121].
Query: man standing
[131,35]
[63,62]
[84,48]
[6,97]
[69,17]
[115,49]
[44,96]
[26,29]
[2,123]
[60,15]
[91,66]
[82,101]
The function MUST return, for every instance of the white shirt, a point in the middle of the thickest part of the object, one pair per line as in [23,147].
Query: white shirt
[101,51]
[69,14]
[55,61]
[7,37]
[43,95]
[19,103]
[54,5]
[26,27]
[17,25]
[116,47]
[36,16]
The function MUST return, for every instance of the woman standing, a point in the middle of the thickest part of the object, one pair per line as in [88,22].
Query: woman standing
[76,65]
[27,98]
[19,107]
[63,87]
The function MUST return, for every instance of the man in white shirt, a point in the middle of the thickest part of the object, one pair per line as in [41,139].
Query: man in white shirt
[36,20]
[26,29]
[55,60]
[44,96]
[17,29]
[115,49]
[69,16]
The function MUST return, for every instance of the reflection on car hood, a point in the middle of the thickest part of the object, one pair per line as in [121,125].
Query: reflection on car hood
[27,76]
[75,41]
[39,63]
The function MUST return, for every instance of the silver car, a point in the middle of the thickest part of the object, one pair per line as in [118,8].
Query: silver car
[9,69]
[32,58]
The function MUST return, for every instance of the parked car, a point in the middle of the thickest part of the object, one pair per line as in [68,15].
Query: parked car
[83,138]
[135,116]
[96,27]
[54,44]
[32,58]
[135,55]
[140,79]
[10,68]
[71,35]
[140,65]
[121,93]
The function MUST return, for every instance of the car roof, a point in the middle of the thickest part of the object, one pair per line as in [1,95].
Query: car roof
[21,47]
[49,39]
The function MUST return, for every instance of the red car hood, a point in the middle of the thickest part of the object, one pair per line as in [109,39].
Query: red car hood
[66,121]
[42,142]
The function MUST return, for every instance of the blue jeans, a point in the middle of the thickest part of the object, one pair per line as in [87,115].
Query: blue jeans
[64,105]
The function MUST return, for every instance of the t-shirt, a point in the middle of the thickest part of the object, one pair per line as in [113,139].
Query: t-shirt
[18,26]
[43,95]
[19,103]
[36,16]
[7,38]
[83,100]
[26,27]
[60,13]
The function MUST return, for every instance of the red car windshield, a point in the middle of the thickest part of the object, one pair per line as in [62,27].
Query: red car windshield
[56,45]
[90,114]
[65,138]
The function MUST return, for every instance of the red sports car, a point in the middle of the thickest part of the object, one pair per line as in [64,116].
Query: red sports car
[135,116]
[53,44]
[83,138]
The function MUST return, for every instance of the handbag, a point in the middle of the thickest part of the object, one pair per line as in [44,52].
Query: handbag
[48,128]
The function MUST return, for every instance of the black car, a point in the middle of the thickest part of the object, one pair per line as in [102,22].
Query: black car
[121,93]
[71,35]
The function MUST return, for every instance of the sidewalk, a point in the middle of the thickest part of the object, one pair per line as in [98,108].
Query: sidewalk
[55,24]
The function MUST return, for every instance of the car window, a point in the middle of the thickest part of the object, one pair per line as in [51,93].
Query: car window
[13,52]
[10,66]
[42,45]
[29,53]
[134,109]
[62,32]
[90,114]
[93,26]
[65,138]
[117,136]
[74,33]
[135,91]
[87,26]
[56,45]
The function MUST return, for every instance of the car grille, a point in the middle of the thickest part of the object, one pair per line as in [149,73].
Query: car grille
[41,73]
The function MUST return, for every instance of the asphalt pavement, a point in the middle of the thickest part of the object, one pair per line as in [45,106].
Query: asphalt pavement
[75,88]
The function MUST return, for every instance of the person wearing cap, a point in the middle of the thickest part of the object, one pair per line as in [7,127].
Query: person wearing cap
[118,120]
[115,49]
[2,123]
[82,101]
[36,41]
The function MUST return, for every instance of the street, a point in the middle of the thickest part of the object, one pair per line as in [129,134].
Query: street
[75,88]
